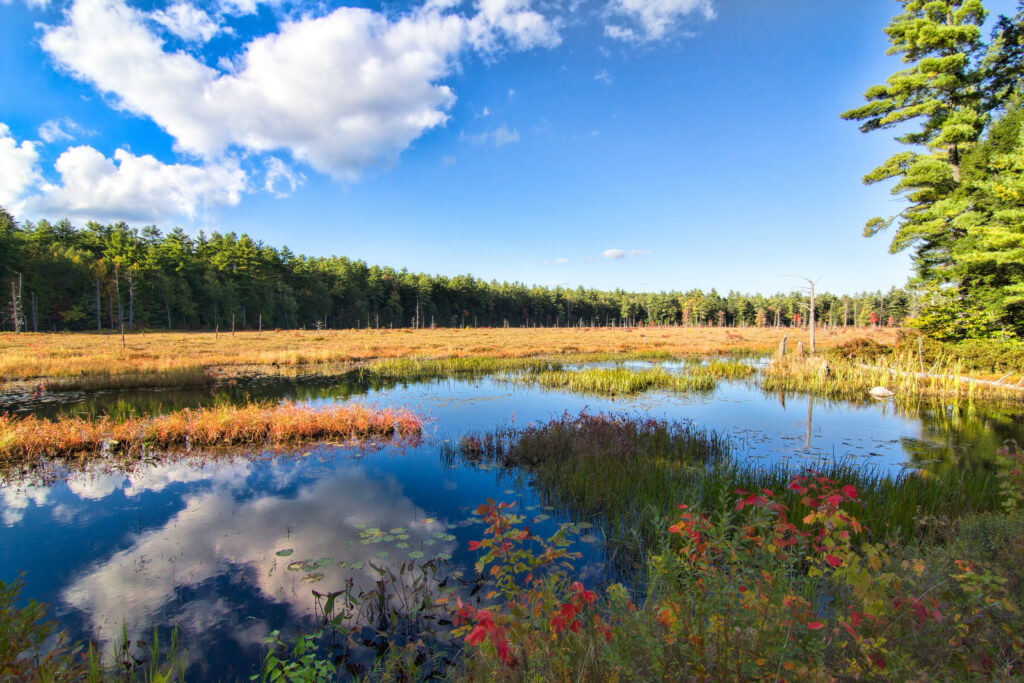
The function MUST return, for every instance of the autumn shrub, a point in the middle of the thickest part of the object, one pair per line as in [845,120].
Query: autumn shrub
[741,592]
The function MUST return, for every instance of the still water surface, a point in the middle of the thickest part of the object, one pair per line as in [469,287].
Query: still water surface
[205,545]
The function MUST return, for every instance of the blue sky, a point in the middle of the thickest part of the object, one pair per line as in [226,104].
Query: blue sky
[642,144]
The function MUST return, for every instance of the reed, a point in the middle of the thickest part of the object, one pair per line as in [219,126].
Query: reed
[28,439]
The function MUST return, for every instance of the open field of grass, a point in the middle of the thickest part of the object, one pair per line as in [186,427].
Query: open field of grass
[37,357]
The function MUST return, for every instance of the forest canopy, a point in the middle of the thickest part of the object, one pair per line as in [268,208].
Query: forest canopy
[93,277]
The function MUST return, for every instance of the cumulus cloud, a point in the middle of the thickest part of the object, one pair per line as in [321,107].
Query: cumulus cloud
[187,22]
[280,172]
[57,130]
[129,187]
[18,168]
[561,260]
[653,18]
[603,76]
[613,253]
[344,92]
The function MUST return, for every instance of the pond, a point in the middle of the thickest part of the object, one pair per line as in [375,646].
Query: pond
[229,549]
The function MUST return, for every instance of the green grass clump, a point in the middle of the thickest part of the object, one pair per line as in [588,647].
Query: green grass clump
[418,369]
[618,381]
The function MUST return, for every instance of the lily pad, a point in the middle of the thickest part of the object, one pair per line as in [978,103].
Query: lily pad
[357,565]
[312,578]
[285,553]
[360,525]
[382,554]
[343,564]
[541,517]
[589,538]
[428,541]
[401,544]
[297,566]
[397,530]
[323,562]
[416,554]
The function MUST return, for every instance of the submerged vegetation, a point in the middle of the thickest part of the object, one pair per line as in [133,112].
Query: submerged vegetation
[29,438]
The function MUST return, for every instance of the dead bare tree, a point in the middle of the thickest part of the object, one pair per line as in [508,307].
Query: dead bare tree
[809,307]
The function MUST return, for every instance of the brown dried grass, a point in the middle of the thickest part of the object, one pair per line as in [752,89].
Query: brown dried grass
[41,357]
[26,439]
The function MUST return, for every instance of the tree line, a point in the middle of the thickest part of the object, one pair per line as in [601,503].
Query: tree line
[103,277]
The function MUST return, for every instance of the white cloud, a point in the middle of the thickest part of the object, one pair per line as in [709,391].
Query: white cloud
[448,161]
[613,253]
[513,19]
[500,136]
[504,136]
[511,94]
[130,187]
[277,171]
[187,22]
[654,17]
[561,260]
[639,252]
[18,168]
[56,130]
[603,76]
[344,92]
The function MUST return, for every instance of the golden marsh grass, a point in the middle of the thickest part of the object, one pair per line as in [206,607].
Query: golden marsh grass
[40,357]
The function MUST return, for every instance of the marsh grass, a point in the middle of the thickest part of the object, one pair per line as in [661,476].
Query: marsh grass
[616,381]
[851,379]
[36,356]
[29,438]
[418,369]
[630,473]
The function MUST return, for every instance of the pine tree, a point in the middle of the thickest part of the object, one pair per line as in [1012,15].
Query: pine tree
[941,42]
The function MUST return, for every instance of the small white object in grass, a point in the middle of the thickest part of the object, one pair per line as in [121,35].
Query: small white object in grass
[881,392]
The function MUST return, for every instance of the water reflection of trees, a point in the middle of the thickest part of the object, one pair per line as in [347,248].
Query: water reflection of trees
[961,437]
[120,404]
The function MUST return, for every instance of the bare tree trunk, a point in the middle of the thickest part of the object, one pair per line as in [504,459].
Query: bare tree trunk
[812,317]
[131,300]
[120,308]
[99,310]
[35,312]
